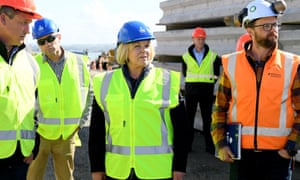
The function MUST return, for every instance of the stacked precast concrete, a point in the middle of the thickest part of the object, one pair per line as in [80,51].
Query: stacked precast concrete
[180,17]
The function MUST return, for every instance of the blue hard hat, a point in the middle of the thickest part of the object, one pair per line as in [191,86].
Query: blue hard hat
[43,27]
[133,31]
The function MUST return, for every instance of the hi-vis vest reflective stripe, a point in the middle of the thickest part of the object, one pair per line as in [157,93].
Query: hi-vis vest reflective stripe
[202,73]
[274,112]
[17,86]
[138,131]
[62,103]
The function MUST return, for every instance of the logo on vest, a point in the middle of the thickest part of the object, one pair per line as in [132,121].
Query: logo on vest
[275,75]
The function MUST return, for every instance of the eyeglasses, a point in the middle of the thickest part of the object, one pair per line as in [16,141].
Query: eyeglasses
[49,39]
[268,26]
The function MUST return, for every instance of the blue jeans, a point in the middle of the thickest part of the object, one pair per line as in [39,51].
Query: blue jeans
[16,172]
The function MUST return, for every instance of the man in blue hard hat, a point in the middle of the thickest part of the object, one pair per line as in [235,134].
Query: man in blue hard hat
[63,99]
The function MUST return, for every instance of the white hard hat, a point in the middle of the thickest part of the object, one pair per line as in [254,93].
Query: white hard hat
[259,9]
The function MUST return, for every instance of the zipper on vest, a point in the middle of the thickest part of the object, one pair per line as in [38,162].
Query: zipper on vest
[256,122]
[259,69]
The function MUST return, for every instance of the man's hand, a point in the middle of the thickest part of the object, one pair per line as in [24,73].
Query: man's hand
[225,154]
[284,154]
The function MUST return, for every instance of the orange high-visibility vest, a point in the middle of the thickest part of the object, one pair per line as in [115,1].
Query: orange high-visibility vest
[271,104]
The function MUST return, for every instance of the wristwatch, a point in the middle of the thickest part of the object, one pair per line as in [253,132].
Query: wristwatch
[291,153]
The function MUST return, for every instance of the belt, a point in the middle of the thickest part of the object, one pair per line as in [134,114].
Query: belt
[259,151]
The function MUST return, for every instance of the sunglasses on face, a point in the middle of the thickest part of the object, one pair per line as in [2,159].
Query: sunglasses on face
[49,39]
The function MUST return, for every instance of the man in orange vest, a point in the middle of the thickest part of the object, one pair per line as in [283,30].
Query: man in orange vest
[259,89]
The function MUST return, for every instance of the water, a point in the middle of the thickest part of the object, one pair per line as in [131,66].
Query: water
[93,50]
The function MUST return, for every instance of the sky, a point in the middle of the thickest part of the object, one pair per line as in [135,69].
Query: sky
[98,21]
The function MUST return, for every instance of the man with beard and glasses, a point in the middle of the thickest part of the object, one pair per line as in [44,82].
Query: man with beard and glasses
[259,88]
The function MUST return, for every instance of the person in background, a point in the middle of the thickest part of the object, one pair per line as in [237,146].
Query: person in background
[63,98]
[98,63]
[260,88]
[93,66]
[101,62]
[138,124]
[109,66]
[201,68]
[19,75]
[243,39]
[93,69]
[104,62]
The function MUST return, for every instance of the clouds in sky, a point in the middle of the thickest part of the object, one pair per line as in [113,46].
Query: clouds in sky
[98,21]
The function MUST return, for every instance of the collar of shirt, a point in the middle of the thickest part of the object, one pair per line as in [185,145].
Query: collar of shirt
[9,57]
[134,83]
[199,55]
[56,66]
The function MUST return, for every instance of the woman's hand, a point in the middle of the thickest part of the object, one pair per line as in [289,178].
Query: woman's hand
[98,176]
[28,159]
[178,175]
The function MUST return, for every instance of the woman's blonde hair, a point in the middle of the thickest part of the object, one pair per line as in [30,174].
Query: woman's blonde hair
[123,50]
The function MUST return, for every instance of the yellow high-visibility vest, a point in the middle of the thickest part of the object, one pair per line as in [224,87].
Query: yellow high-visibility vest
[203,73]
[17,100]
[62,103]
[139,131]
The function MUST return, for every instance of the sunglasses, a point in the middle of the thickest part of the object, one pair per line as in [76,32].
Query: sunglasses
[49,39]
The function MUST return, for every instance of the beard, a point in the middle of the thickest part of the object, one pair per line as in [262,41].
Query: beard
[267,42]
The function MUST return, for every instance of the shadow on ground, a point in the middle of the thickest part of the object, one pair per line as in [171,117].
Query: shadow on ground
[201,165]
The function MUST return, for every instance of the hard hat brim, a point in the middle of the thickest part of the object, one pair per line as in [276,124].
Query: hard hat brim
[201,36]
[33,14]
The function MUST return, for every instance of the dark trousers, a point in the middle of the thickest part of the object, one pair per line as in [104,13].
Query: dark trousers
[203,96]
[265,165]
[15,172]
[13,167]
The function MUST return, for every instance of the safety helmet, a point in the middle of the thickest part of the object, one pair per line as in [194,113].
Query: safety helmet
[43,27]
[242,40]
[133,31]
[26,6]
[259,9]
[199,33]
